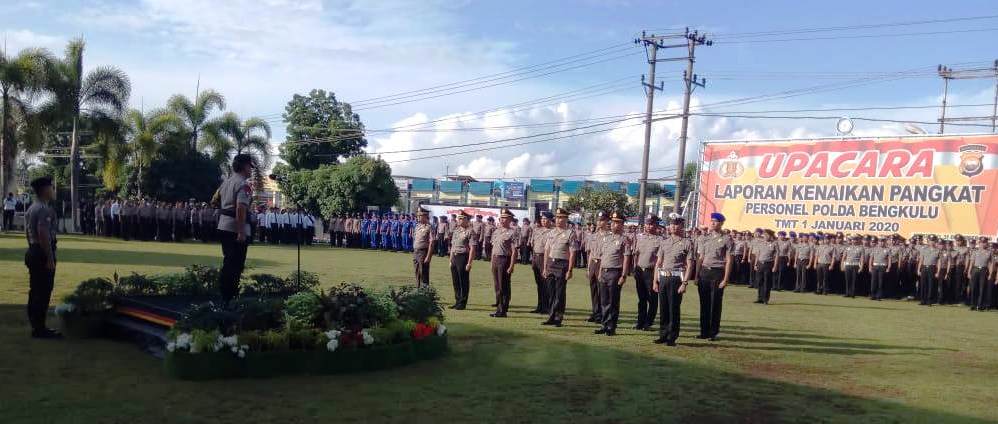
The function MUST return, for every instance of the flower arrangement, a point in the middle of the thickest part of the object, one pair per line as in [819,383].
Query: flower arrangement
[201,341]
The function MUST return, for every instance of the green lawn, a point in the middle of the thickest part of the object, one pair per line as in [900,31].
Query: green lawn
[803,358]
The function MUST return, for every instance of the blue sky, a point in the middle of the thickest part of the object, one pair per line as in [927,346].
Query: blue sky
[259,53]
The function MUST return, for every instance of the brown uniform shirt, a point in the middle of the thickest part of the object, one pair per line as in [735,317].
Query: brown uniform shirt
[537,239]
[675,251]
[558,243]
[421,237]
[714,249]
[646,248]
[461,240]
[613,248]
[502,242]
[766,251]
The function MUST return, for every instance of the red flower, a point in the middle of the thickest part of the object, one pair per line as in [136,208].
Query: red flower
[421,331]
[351,338]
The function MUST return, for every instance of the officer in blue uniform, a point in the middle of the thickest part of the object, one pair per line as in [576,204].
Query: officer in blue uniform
[406,228]
[363,231]
[386,229]
[393,234]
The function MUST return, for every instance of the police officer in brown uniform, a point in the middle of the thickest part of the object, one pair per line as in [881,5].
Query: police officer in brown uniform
[928,272]
[487,230]
[592,272]
[675,268]
[615,264]
[462,253]
[716,264]
[538,239]
[766,265]
[879,264]
[422,243]
[646,246]
[235,195]
[978,273]
[503,260]
[803,253]
[477,227]
[559,259]
[853,258]
[40,229]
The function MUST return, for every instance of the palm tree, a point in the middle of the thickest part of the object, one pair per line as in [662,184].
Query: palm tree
[195,114]
[229,136]
[101,93]
[21,77]
[146,133]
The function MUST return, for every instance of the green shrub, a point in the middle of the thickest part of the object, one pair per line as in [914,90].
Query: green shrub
[309,282]
[383,308]
[417,304]
[136,285]
[302,310]
[348,307]
[203,341]
[258,313]
[305,339]
[258,285]
[275,341]
[90,296]
[207,317]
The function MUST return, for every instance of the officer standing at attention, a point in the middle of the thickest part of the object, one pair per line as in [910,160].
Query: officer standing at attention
[40,230]
[422,243]
[675,268]
[879,264]
[853,257]
[978,273]
[592,271]
[235,195]
[765,266]
[803,254]
[646,246]
[503,260]
[442,231]
[559,259]
[476,232]
[784,248]
[716,265]
[928,272]
[462,253]
[538,240]
[526,231]
[615,264]
[487,230]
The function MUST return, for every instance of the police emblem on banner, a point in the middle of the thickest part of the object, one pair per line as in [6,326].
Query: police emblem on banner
[731,167]
[972,159]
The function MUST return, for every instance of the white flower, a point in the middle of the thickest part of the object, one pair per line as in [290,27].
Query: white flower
[441,330]
[171,346]
[244,347]
[241,353]
[332,334]
[234,349]
[368,338]
[229,341]
[183,341]
[332,345]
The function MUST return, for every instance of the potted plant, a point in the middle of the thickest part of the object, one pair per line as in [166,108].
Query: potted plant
[83,313]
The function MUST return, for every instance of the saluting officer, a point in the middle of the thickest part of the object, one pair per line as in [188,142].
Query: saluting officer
[716,264]
[462,253]
[40,229]
[646,246]
[235,195]
[503,260]
[559,259]
[615,264]
[675,268]
[422,243]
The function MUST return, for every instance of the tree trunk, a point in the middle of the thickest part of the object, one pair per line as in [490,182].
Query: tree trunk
[74,178]
[138,185]
[6,161]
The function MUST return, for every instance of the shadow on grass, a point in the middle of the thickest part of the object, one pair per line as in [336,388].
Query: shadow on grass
[827,305]
[491,375]
[125,257]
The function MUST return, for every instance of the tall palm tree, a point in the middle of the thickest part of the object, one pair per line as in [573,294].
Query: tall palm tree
[228,136]
[146,133]
[101,93]
[195,114]
[21,77]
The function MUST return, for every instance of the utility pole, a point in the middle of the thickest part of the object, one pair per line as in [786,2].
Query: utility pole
[690,80]
[947,74]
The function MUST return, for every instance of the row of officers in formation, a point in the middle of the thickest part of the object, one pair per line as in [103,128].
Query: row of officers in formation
[664,261]
[148,220]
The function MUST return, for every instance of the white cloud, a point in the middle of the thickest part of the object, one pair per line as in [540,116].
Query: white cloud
[18,39]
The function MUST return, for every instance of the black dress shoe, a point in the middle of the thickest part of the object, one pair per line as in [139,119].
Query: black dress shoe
[610,333]
[591,319]
[712,339]
[46,334]
[660,340]
[600,331]
[670,343]
[638,326]
[495,304]
[557,324]
[758,301]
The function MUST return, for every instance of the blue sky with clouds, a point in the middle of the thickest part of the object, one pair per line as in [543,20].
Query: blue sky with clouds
[258,53]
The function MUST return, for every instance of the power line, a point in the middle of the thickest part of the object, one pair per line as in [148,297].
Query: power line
[845,37]
[894,121]
[852,27]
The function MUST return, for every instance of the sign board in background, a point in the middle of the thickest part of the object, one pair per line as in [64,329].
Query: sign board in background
[484,211]
[941,185]
[512,190]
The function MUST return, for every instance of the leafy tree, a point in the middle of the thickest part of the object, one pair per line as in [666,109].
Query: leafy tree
[195,113]
[146,133]
[591,200]
[101,93]
[229,136]
[21,77]
[690,172]
[334,128]
[178,174]
[359,182]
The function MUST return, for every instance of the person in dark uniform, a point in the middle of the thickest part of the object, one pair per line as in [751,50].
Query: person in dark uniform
[40,230]
[675,268]
[503,261]
[592,271]
[422,243]
[615,265]
[235,195]
[784,248]
[879,265]
[463,248]
[559,259]
[928,272]
[766,265]
[646,246]
[803,254]
[978,273]
[853,258]
[716,265]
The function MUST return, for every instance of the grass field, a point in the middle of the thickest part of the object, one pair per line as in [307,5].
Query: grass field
[803,358]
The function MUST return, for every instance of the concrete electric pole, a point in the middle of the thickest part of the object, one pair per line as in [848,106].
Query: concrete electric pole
[690,82]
